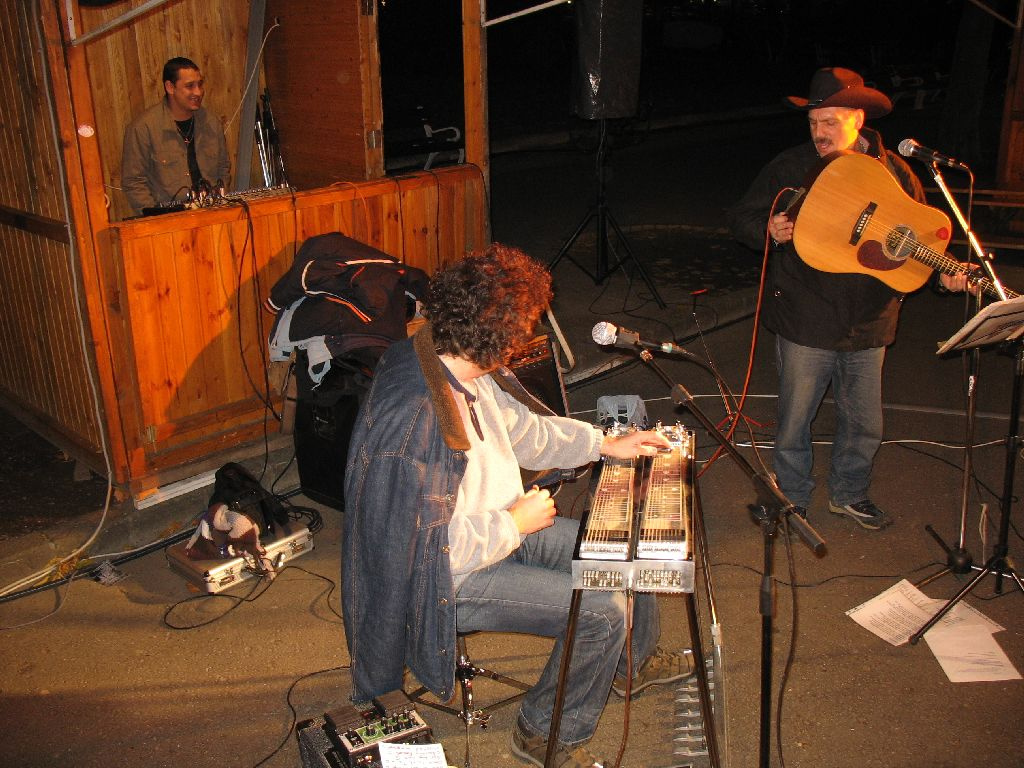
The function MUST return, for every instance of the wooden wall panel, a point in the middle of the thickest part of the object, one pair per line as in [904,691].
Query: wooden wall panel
[44,375]
[30,178]
[322,68]
[192,310]
[44,378]
[125,66]
[194,332]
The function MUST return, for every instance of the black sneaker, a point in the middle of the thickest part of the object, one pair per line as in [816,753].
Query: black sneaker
[864,513]
[533,749]
[660,667]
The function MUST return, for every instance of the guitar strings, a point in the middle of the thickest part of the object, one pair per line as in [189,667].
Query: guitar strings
[919,251]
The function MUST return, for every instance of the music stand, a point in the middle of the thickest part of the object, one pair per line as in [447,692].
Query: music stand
[1001,321]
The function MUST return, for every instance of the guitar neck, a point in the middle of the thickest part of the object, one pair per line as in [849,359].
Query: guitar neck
[948,266]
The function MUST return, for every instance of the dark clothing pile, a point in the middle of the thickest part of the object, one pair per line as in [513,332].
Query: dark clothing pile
[342,299]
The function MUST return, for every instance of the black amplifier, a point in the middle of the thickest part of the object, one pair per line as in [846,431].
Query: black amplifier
[536,367]
[349,736]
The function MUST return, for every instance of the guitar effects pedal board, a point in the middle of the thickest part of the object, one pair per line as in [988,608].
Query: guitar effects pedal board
[350,735]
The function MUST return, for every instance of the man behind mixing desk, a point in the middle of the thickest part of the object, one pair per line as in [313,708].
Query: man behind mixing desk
[174,147]
[438,528]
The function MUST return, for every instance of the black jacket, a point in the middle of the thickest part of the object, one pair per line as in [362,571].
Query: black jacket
[802,304]
[352,293]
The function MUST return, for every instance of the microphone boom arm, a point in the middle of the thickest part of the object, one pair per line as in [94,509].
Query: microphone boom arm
[984,259]
[768,492]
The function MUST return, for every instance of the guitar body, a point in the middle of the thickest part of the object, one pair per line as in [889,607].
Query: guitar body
[856,218]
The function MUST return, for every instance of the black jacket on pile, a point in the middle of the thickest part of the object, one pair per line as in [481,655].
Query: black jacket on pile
[824,310]
[353,294]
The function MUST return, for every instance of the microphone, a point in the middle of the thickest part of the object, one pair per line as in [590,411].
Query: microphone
[910,148]
[607,333]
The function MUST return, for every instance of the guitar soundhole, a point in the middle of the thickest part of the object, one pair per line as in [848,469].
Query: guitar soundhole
[900,242]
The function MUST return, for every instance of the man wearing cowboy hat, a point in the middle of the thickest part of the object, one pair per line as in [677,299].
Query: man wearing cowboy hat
[829,327]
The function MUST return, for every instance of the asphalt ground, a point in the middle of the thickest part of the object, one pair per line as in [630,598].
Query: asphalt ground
[146,672]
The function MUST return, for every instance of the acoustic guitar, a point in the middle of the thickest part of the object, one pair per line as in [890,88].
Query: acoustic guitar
[855,218]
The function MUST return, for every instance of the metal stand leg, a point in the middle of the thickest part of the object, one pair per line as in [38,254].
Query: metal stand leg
[603,215]
[996,564]
[465,672]
[701,670]
[958,559]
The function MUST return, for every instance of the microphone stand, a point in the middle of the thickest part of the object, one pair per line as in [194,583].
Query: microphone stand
[984,259]
[959,559]
[772,507]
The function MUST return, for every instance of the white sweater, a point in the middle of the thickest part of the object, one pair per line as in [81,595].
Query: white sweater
[482,531]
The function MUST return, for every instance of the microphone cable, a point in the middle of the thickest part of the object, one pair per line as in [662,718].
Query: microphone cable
[735,418]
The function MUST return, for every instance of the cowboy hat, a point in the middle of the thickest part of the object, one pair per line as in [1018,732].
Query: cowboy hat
[838,87]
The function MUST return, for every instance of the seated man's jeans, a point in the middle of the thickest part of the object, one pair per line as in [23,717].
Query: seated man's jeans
[530,591]
[804,375]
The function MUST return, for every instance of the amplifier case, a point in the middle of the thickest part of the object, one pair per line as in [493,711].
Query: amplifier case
[321,440]
[537,369]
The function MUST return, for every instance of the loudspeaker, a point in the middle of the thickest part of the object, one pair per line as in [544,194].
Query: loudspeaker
[324,417]
[536,367]
[608,42]
[321,440]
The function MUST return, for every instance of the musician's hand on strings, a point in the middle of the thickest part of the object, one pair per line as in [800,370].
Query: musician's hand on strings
[780,228]
[959,283]
[634,444]
[534,511]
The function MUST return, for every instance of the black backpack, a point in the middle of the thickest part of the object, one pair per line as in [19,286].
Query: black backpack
[235,486]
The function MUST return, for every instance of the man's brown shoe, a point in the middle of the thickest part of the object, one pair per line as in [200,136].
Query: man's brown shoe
[660,667]
[533,749]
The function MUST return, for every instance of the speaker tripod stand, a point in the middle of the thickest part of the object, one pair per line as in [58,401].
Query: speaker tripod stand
[601,214]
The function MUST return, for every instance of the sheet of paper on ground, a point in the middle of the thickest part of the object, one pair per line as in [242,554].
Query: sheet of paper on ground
[961,641]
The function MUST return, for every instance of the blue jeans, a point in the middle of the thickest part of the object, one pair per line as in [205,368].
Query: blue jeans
[530,591]
[804,375]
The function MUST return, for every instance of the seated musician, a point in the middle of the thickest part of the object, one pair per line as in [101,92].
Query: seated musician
[175,147]
[829,327]
[439,535]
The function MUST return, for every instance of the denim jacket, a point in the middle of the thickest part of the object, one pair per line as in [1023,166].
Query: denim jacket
[406,461]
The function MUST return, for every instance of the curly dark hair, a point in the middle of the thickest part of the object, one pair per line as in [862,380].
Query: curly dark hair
[485,307]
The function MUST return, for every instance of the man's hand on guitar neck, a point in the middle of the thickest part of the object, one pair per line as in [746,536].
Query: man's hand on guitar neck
[780,228]
[959,283]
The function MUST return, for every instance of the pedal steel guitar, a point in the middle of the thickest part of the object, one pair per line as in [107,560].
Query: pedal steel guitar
[639,532]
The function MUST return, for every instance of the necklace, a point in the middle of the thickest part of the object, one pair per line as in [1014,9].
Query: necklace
[187,129]
[470,399]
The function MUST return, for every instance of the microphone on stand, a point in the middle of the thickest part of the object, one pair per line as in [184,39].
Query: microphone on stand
[910,148]
[607,333]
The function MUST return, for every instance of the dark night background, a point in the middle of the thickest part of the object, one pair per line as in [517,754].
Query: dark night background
[702,57]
